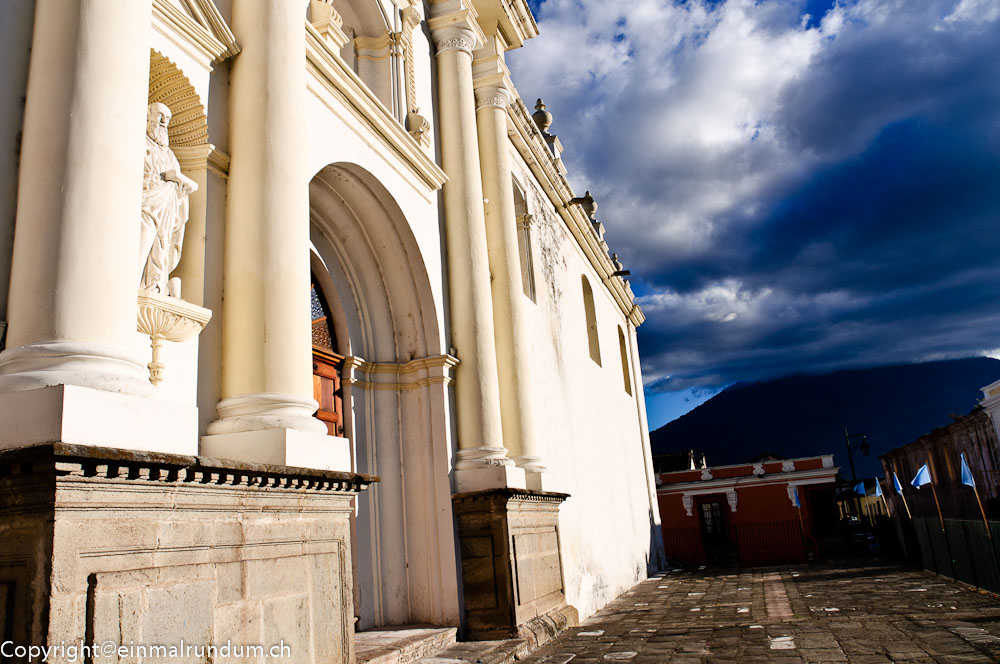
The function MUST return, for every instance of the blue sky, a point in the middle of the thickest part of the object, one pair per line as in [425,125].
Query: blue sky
[796,185]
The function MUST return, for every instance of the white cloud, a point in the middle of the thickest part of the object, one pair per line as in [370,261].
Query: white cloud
[974,11]
[694,122]
[680,97]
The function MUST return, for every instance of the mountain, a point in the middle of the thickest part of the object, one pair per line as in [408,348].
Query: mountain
[805,415]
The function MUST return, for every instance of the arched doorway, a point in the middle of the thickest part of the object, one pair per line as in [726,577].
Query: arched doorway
[384,321]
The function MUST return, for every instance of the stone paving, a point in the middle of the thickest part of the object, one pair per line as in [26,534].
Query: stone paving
[859,613]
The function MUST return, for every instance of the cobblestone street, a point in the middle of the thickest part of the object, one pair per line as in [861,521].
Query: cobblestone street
[862,614]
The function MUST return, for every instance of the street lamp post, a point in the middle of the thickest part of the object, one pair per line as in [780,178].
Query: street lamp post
[864,447]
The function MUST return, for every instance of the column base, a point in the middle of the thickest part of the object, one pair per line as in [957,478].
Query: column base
[96,366]
[485,476]
[262,411]
[512,576]
[285,447]
[538,482]
[86,416]
[534,473]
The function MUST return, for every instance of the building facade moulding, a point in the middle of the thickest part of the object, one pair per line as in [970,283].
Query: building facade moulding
[551,176]
[330,75]
[202,34]
[87,461]
[513,18]
[722,484]
[420,372]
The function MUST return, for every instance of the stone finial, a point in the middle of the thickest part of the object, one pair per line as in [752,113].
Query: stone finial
[619,266]
[542,117]
[416,124]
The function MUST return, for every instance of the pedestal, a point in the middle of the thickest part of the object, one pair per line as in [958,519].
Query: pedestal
[512,577]
[103,545]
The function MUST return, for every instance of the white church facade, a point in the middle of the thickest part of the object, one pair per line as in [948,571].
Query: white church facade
[374,364]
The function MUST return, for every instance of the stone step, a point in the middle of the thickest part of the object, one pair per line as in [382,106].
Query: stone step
[402,644]
[479,652]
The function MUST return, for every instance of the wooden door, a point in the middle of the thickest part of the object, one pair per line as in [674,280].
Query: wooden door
[327,367]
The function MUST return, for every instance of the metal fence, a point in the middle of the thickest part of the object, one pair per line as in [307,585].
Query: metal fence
[961,549]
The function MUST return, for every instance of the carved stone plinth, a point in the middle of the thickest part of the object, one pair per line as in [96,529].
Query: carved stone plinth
[103,545]
[166,318]
[512,575]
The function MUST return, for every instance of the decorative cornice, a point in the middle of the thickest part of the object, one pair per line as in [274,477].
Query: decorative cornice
[492,96]
[206,34]
[103,463]
[420,372]
[550,174]
[507,494]
[218,161]
[374,48]
[723,484]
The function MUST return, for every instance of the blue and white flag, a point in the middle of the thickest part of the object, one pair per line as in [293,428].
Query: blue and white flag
[795,498]
[878,487]
[967,477]
[895,481]
[859,488]
[922,477]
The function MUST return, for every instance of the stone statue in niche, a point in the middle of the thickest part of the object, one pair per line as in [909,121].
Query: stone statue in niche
[165,192]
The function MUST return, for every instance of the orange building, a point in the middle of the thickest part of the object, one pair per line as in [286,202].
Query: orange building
[770,512]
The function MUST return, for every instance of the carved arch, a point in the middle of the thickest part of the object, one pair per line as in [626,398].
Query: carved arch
[168,85]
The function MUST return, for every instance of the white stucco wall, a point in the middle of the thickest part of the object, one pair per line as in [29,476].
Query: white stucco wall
[592,441]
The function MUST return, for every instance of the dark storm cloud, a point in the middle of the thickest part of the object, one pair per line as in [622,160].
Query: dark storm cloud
[798,186]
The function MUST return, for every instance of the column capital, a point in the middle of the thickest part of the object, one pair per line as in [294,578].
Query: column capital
[454,38]
[454,26]
[493,95]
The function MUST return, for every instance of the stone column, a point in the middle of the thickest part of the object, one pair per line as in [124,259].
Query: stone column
[482,461]
[265,413]
[72,307]
[509,311]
